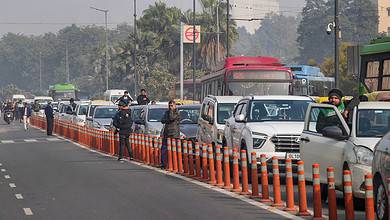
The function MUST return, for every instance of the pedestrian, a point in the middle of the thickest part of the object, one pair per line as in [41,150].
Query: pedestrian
[71,110]
[170,119]
[49,119]
[122,122]
[36,107]
[326,117]
[125,98]
[143,99]
[26,113]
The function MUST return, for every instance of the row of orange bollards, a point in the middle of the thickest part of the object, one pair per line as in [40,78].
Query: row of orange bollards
[200,162]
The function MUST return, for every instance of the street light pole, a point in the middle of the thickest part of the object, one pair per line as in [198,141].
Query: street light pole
[106,44]
[336,42]
[218,30]
[227,26]
[193,52]
[135,48]
[40,71]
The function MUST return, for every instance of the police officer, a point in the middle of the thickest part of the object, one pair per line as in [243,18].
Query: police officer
[49,119]
[171,121]
[122,122]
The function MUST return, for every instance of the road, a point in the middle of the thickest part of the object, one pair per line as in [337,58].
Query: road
[52,178]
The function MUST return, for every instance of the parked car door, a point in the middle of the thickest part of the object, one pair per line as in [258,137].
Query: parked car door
[317,146]
[238,126]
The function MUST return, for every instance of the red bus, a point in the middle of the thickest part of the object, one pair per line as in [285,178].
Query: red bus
[242,76]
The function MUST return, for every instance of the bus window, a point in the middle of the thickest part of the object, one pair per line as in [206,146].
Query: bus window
[372,75]
[386,67]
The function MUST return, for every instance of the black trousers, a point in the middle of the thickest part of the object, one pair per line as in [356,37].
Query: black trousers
[124,141]
[49,125]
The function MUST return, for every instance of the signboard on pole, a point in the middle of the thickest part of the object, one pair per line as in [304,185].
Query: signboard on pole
[188,34]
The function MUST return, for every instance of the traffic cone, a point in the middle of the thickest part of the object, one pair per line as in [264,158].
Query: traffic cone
[244,173]
[169,150]
[289,188]
[276,183]
[211,165]
[205,174]
[370,210]
[348,195]
[226,167]
[174,156]
[185,157]
[317,205]
[264,179]
[302,190]
[190,160]
[332,203]
[218,158]
[236,180]
[254,177]
[179,156]
[197,161]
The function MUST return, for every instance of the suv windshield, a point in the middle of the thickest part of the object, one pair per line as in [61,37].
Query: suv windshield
[372,122]
[83,110]
[224,112]
[105,112]
[156,114]
[189,115]
[278,110]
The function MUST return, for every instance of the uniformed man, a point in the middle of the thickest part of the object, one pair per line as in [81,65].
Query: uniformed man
[122,122]
[49,119]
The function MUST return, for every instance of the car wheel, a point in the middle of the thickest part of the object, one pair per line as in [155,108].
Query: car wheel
[380,199]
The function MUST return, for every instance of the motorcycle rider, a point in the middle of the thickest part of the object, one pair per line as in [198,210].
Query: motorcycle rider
[9,108]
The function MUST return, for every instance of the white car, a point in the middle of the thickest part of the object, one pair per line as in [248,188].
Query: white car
[80,116]
[269,125]
[335,143]
[214,112]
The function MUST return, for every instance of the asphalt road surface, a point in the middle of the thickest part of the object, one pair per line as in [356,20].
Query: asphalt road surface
[45,177]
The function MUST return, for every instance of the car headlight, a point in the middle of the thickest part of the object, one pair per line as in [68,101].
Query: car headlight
[258,139]
[96,124]
[363,155]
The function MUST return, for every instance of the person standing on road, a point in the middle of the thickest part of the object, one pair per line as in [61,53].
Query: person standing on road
[142,99]
[49,119]
[171,121]
[26,113]
[72,107]
[122,122]
[125,98]
[36,107]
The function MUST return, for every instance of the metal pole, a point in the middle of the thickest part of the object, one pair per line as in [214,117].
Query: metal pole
[336,42]
[227,27]
[181,62]
[107,69]
[67,63]
[218,30]
[40,71]
[193,53]
[135,49]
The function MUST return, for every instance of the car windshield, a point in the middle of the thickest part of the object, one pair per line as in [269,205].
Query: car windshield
[136,114]
[83,110]
[91,110]
[258,88]
[372,122]
[114,98]
[189,115]
[224,112]
[278,110]
[105,112]
[155,114]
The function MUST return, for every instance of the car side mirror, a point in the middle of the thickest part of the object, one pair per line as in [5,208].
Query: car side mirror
[239,118]
[334,132]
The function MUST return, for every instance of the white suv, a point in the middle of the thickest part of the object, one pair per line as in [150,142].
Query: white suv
[214,112]
[269,125]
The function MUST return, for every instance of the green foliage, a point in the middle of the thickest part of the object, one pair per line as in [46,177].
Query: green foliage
[8,90]
[159,83]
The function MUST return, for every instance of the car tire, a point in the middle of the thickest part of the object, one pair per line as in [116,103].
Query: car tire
[380,200]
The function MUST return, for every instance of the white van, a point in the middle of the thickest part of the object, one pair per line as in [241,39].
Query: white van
[18,97]
[114,94]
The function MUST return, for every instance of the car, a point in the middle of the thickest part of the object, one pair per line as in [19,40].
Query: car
[93,104]
[381,172]
[189,115]
[343,144]
[80,115]
[147,119]
[214,112]
[102,117]
[269,125]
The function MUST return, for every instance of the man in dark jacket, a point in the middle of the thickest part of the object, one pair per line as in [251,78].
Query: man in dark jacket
[142,99]
[72,107]
[122,122]
[26,113]
[125,98]
[36,106]
[171,121]
[49,119]
[327,117]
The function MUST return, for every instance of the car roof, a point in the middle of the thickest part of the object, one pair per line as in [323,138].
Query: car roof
[280,97]
[225,99]
[190,106]
[106,106]
[101,102]
[374,105]
[156,106]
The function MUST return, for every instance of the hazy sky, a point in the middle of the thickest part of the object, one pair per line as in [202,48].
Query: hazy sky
[40,16]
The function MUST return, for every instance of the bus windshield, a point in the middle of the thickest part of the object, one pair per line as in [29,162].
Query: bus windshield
[258,88]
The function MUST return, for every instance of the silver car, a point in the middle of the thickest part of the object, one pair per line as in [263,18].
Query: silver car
[102,117]
[381,171]
[147,118]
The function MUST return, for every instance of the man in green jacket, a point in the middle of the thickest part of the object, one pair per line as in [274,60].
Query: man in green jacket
[327,117]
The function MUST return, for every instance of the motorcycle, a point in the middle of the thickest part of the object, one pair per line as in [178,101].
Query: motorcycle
[8,116]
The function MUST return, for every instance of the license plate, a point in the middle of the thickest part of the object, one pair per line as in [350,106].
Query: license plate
[293,156]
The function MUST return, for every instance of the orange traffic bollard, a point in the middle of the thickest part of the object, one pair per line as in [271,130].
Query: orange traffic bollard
[226,167]
[244,173]
[332,203]
[218,158]
[185,157]
[169,150]
[348,195]
[174,155]
[197,161]
[152,149]
[236,180]
[264,179]
[302,190]
[317,205]
[254,177]
[276,183]
[211,165]
[370,210]
[289,187]
[156,152]
[147,147]
[179,156]
[205,174]
[159,151]
[190,159]
[143,148]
